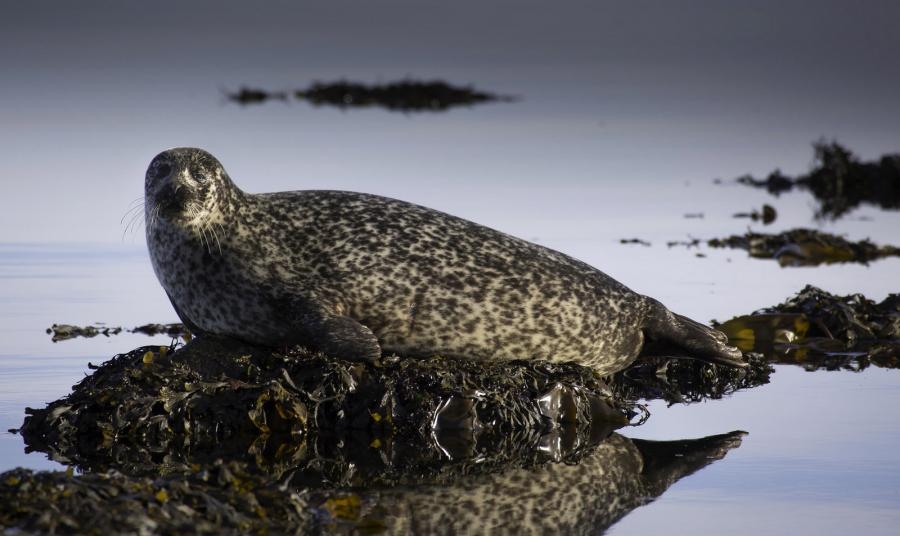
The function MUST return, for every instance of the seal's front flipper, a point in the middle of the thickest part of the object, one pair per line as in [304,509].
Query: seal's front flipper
[687,338]
[345,338]
[188,323]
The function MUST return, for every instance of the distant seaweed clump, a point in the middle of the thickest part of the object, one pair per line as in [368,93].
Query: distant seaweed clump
[839,181]
[402,96]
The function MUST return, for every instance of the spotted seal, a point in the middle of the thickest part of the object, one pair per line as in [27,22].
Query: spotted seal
[352,274]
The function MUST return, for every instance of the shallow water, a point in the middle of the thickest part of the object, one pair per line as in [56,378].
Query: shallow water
[621,128]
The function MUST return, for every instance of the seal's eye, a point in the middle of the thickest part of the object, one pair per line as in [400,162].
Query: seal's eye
[160,170]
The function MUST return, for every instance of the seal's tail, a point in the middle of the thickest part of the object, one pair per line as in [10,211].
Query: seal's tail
[668,333]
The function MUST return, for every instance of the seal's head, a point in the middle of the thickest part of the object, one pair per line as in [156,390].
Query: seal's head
[186,186]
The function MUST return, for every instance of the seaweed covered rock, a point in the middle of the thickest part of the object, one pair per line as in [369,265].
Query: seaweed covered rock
[821,330]
[687,380]
[156,410]
[839,181]
[805,247]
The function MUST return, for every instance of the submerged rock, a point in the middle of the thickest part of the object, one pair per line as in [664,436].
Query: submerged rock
[819,330]
[839,181]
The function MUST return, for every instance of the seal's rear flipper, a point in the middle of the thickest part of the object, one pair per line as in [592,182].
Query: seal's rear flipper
[666,333]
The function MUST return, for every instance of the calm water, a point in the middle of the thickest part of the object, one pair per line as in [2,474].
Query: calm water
[626,116]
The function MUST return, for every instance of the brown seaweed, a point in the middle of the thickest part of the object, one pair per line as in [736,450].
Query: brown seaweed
[803,247]
[266,407]
[818,330]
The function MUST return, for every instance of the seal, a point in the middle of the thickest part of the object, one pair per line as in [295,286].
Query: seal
[352,275]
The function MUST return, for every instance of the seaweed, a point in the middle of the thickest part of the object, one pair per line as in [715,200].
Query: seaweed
[803,247]
[839,181]
[767,215]
[158,409]
[818,330]
[62,332]
[247,95]
[403,96]
[686,381]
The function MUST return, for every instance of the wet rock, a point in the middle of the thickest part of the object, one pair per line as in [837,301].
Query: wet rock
[840,182]
[818,330]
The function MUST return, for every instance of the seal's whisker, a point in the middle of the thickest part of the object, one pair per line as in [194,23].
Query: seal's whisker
[212,231]
[134,223]
[136,208]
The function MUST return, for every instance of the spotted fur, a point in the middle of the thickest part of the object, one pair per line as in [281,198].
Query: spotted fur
[351,273]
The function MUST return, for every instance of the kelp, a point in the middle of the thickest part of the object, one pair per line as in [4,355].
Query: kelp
[818,330]
[839,181]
